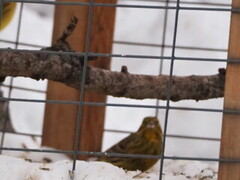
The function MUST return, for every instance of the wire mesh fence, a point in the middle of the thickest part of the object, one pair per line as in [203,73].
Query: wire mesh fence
[169,52]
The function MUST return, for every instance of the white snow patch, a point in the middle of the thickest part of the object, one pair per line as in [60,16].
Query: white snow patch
[20,169]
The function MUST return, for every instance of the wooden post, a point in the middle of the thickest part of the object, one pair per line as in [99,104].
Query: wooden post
[230,141]
[60,119]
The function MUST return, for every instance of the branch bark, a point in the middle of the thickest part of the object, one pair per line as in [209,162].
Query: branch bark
[68,68]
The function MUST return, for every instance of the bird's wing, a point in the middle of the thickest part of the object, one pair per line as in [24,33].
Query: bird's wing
[131,145]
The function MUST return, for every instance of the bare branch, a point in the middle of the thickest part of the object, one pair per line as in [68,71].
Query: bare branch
[123,84]
[68,69]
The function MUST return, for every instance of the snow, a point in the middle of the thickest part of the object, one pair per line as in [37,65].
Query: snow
[13,168]
[22,169]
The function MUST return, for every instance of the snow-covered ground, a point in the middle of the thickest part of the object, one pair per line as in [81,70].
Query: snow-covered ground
[195,29]
[23,169]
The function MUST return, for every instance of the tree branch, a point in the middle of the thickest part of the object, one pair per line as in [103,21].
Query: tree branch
[68,68]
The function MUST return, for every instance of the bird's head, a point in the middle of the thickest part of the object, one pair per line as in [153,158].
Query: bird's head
[150,129]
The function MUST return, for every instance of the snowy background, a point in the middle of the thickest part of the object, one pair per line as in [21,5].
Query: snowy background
[204,29]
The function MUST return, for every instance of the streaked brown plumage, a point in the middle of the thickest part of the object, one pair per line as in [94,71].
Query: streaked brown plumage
[147,140]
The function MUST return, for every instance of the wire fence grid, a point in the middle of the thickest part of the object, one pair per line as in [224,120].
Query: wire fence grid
[166,5]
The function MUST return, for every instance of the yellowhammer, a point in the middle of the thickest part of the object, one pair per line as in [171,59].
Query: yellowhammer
[147,140]
[8,11]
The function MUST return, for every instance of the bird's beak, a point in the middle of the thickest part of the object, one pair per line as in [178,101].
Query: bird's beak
[151,124]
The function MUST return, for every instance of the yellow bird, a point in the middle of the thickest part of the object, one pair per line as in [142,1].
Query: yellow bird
[7,11]
[147,140]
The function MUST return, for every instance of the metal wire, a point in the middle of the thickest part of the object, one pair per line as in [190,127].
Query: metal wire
[124,155]
[159,1]
[24,89]
[133,44]
[139,57]
[1,7]
[122,105]
[163,48]
[80,110]
[169,87]
[127,5]
[182,2]
[11,80]
[171,58]
[169,135]
[163,45]
[24,134]
[5,119]
[22,43]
